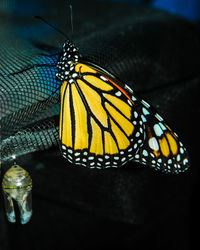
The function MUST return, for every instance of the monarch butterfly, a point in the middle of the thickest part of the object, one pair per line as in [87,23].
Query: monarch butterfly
[103,123]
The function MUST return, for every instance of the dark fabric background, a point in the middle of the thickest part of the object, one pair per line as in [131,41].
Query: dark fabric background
[131,207]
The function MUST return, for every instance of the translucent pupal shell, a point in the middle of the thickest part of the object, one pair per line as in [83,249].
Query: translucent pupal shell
[17,185]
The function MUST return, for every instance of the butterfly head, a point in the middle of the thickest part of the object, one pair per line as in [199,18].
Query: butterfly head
[67,61]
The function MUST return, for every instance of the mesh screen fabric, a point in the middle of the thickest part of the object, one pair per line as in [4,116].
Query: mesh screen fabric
[29,95]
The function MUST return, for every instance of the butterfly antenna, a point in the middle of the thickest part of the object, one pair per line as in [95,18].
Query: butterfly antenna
[52,26]
[71,18]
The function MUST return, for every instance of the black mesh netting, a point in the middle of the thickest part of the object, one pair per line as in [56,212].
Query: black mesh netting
[155,53]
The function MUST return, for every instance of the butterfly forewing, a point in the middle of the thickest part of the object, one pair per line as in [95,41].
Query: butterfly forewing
[98,124]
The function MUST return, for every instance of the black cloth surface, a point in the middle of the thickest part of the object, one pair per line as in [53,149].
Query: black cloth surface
[73,207]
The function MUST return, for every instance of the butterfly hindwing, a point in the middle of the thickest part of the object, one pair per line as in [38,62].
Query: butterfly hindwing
[161,148]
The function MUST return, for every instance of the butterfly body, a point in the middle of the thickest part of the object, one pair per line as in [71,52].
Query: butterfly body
[103,123]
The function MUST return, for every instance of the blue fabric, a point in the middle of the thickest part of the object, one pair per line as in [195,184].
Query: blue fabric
[188,9]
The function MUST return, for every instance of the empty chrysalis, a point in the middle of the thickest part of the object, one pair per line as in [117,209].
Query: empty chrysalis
[17,186]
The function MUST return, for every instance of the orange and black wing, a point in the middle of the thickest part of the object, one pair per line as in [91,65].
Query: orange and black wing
[161,148]
[103,124]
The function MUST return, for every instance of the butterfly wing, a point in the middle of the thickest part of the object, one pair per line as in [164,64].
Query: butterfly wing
[161,148]
[97,121]
[103,124]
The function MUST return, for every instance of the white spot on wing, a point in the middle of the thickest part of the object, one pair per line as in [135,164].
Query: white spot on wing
[145,104]
[130,103]
[127,87]
[159,117]
[157,129]
[103,78]
[145,111]
[133,98]
[178,158]
[118,93]
[145,153]
[135,114]
[123,159]
[137,134]
[153,144]
[162,126]
[143,118]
